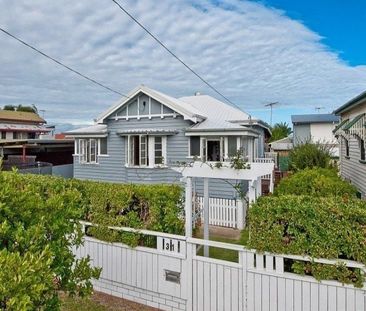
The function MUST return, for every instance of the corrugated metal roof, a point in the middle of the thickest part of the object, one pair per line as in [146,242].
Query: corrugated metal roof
[20,116]
[218,114]
[315,118]
[94,129]
[351,103]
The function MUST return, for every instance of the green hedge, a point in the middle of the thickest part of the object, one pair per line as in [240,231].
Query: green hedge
[320,227]
[315,182]
[38,228]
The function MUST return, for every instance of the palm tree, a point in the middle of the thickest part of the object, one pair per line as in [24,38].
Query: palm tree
[280,130]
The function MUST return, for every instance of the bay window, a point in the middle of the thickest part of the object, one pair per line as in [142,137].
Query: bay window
[89,149]
[146,151]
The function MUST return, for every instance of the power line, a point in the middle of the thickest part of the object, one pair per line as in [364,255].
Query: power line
[173,54]
[60,63]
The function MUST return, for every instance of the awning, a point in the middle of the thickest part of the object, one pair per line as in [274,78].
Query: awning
[356,127]
[151,131]
[340,126]
[23,128]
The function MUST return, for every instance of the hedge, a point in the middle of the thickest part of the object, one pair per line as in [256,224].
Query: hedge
[315,182]
[38,229]
[320,227]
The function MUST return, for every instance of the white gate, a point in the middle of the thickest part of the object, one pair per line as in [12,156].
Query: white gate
[224,212]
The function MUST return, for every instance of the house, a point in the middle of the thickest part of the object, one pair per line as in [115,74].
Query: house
[351,134]
[143,136]
[317,128]
[21,125]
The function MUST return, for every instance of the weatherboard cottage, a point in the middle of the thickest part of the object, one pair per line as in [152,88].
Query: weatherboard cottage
[143,136]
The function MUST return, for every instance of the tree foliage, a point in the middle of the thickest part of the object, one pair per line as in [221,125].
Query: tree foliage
[319,227]
[280,130]
[38,228]
[31,108]
[309,155]
[318,182]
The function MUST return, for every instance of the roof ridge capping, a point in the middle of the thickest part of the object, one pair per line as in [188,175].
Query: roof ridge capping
[351,103]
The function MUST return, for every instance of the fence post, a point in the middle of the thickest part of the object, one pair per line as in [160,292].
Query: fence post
[240,206]
[190,251]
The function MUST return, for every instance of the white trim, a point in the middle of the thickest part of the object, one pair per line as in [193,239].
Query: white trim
[188,115]
[222,133]
[148,116]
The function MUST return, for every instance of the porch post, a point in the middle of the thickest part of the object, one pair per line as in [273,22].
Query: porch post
[271,183]
[206,216]
[259,187]
[240,224]
[188,207]
[251,192]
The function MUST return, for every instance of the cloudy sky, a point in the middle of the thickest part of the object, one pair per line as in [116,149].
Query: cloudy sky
[252,52]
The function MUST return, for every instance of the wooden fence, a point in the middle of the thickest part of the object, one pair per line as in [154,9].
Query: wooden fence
[224,212]
[173,276]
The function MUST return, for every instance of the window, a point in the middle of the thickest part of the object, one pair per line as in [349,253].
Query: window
[146,151]
[194,146]
[159,150]
[103,146]
[15,135]
[232,146]
[362,149]
[89,149]
[346,145]
[3,135]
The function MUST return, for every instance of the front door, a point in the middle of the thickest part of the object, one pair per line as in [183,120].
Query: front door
[213,150]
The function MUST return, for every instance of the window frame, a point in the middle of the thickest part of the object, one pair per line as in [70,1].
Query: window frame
[88,150]
[346,145]
[361,144]
[148,149]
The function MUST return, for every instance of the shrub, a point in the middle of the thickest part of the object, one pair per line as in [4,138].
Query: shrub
[329,227]
[309,155]
[315,182]
[38,228]
[153,207]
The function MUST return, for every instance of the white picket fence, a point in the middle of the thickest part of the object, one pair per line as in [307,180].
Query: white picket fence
[224,212]
[173,276]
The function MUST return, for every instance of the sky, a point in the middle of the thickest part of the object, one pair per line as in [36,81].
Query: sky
[301,54]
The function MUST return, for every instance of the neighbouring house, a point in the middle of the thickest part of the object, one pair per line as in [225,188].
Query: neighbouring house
[21,125]
[282,148]
[351,134]
[317,128]
[143,136]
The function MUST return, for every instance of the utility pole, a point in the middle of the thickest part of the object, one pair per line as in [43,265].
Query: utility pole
[271,105]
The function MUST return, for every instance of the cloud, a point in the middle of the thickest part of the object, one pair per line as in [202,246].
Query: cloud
[251,52]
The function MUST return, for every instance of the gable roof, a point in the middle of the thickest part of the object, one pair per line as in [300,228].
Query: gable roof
[20,116]
[314,118]
[351,103]
[188,113]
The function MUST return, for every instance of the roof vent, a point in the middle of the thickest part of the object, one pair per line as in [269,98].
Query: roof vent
[197,93]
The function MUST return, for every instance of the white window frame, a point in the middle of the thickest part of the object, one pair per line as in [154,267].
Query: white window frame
[84,150]
[150,151]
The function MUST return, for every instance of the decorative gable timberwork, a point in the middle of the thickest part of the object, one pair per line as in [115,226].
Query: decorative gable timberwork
[143,106]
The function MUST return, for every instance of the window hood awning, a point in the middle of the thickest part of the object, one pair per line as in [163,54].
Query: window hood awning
[340,126]
[356,127]
[151,131]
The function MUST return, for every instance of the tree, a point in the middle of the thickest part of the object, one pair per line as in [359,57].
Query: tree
[32,108]
[9,108]
[280,130]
